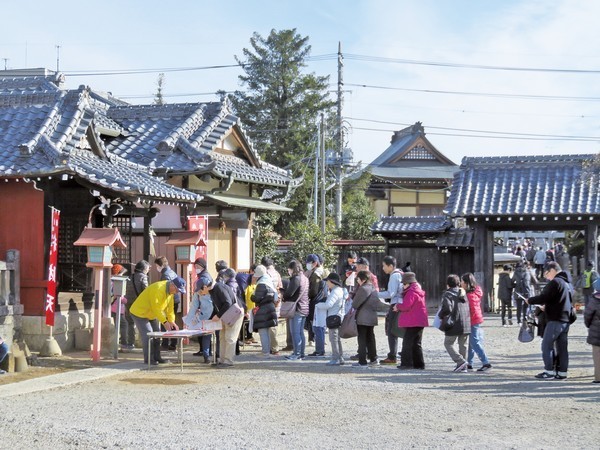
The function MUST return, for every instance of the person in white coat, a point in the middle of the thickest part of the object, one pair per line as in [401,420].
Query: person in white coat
[333,309]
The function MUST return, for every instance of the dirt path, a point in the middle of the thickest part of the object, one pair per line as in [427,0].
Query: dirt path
[273,403]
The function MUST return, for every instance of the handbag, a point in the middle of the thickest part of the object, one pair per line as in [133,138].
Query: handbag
[572,315]
[333,321]
[288,310]
[232,315]
[349,328]
[449,321]
[395,328]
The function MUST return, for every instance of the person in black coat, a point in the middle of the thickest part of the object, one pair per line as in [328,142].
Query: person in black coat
[265,316]
[556,298]
[454,309]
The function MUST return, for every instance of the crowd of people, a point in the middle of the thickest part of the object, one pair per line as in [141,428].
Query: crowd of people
[313,303]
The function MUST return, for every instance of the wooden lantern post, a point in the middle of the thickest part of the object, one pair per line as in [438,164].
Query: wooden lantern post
[99,243]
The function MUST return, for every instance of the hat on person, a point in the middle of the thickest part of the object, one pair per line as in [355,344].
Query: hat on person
[362,261]
[260,271]
[117,269]
[408,278]
[200,262]
[201,283]
[179,283]
[334,278]
[312,258]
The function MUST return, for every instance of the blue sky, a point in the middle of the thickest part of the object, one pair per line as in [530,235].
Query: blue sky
[558,34]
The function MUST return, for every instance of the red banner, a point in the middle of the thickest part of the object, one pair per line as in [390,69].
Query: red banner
[199,223]
[52,261]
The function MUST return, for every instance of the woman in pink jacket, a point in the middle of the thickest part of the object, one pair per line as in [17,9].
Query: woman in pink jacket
[413,317]
[474,294]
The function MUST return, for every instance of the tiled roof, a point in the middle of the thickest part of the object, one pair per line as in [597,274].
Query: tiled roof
[413,225]
[182,138]
[43,131]
[523,185]
[461,237]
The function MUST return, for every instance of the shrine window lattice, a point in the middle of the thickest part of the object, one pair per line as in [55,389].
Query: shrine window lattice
[419,153]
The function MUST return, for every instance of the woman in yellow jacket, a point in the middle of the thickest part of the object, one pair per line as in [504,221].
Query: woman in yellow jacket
[155,306]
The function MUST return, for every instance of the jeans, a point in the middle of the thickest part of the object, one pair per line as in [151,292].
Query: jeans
[146,326]
[319,333]
[205,345]
[298,339]
[3,351]
[461,356]
[392,340]
[337,353]
[265,341]
[476,345]
[556,334]
[366,344]
[412,351]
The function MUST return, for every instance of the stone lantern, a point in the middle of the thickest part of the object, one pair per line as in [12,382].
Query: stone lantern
[99,243]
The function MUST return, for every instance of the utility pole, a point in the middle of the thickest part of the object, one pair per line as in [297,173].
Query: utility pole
[323,175]
[339,169]
[316,183]
[5,61]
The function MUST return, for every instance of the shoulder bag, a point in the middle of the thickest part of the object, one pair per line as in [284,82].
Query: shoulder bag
[232,315]
[288,309]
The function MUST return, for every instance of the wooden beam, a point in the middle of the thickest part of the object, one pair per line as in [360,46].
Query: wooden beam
[591,244]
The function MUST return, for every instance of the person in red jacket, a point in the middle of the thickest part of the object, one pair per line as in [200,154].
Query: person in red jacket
[413,317]
[474,294]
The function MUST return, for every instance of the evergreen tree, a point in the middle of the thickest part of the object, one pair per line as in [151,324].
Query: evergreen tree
[280,106]
[358,214]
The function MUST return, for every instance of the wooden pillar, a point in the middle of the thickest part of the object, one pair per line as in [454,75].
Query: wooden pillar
[484,262]
[591,244]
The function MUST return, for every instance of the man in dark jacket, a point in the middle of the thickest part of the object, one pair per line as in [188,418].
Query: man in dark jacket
[556,297]
[455,312]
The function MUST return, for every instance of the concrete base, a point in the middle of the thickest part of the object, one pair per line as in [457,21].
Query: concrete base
[51,348]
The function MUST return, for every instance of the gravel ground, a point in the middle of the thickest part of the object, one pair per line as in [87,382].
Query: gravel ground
[273,403]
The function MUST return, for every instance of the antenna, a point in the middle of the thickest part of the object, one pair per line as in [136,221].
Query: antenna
[57,58]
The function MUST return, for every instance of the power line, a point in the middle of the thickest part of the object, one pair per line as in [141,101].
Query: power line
[481,131]
[465,66]
[480,94]
[511,137]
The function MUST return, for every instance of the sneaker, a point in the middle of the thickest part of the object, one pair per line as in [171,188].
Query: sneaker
[2,372]
[198,353]
[333,362]
[469,366]
[275,353]
[484,368]
[316,354]
[206,360]
[223,366]
[504,325]
[460,367]
[388,361]
[362,366]
[163,361]
[354,358]
[342,362]
[545,376]
[561,376]
[374,363]
[294,357]
[404,367]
